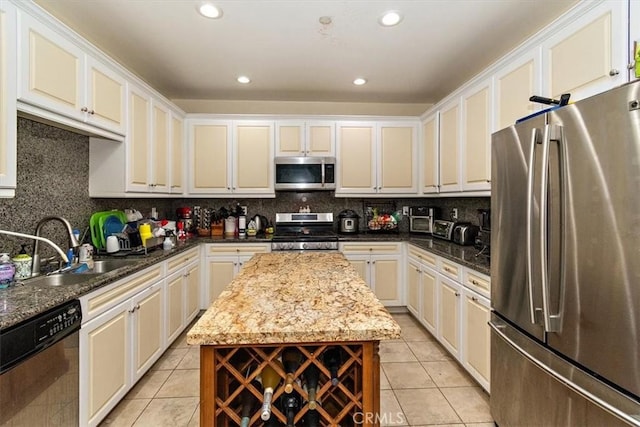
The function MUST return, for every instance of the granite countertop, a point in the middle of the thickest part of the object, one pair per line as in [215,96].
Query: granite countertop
[22,301]
[291,297]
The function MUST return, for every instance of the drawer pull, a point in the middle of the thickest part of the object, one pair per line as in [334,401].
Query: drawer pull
[474,299]
[448,270]
[475,282]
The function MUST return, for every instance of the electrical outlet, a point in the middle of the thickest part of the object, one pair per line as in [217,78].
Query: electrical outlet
[244,210]
[405,210]
[454,214]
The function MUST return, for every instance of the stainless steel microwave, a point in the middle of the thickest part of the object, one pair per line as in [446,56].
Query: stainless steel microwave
[305,173]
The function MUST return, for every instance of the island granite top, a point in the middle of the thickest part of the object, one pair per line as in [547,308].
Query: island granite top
[291,297]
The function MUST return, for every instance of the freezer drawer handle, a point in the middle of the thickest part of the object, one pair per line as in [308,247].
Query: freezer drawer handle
[498,328]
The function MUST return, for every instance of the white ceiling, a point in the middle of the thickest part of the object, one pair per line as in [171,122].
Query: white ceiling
[291,56]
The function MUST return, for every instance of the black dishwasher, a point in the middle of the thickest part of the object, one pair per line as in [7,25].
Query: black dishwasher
[39,368]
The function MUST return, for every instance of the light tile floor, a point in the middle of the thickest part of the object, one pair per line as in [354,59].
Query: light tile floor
[421,385]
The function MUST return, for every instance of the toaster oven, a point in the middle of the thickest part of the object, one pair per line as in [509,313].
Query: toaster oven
[443,229]
[421,219]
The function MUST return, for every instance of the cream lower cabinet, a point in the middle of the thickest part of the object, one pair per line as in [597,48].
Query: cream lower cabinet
[380,266]
[223,262]
[8,79]
[476,358]
[182,292]
[452,302]
[122,338]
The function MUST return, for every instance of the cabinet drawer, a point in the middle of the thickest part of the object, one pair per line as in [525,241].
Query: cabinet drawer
[181,260]
[478,282]
[119,291]
[423,256]
[451,270]
[369,248]
[225,249]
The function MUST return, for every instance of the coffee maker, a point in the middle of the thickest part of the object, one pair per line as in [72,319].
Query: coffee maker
[483,238]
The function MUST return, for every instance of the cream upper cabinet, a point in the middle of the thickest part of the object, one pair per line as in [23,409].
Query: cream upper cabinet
[356,146]
[429,164]
[253,168]
[160,148]
[477,118]
[305,138]
[138,140]
[8,149]
[231,157]
[377,158]
[58,76]
[450,146]
[210,155]
[589,55]
[177,154]
[514,84]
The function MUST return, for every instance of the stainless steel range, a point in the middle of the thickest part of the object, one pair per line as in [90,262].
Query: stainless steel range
[304,232]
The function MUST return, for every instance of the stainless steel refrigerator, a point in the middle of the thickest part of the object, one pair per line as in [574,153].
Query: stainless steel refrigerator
[565,265]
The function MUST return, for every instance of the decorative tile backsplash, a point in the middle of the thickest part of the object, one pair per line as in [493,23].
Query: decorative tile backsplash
[53,179]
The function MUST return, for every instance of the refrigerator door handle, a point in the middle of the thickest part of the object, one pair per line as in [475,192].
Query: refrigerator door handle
[535,139]
[551,322]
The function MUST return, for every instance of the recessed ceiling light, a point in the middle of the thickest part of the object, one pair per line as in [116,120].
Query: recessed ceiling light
[208,10]
[244,80]
[390,18]
[359,81]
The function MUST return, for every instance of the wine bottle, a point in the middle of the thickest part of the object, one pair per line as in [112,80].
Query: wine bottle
[248,405]
[311,375]
[291,359]
[332,361]
[290,403]
[312,419]
[270,380]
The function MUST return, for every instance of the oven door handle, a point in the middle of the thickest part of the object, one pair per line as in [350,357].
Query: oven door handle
[322,166]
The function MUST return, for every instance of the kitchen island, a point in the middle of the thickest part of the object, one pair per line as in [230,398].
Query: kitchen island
[310,303]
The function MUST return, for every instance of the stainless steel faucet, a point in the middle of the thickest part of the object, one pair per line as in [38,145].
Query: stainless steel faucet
[73,242]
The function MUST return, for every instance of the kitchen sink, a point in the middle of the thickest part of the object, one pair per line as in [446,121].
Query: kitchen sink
[63,279]
[106,265]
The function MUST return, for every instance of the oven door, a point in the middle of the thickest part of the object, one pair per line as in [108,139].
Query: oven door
[421,224]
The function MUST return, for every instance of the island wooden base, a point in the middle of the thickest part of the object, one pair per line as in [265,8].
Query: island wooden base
[227,371]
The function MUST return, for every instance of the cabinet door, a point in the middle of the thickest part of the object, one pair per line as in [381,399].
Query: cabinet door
[429,164]
[476,139]
[52,69]
[320,139]
[138,140]
[210,157]
[477,337]
[356,158]
[397,159]
[361,263]
[253,167]
[222,270]
[105,97]
[449,324]
[449,147]
[192,298]
[177,148]
[413,287]
[290,138]
[386,278]
[8,79]
[148,329]
[105,357]
[175,305]
[160,149]
[588,56]
[514,85]
[429,314]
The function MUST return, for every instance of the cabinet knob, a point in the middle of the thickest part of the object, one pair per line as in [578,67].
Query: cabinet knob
[457,294]
[474,299]
[92,112]
[614,72]
[373,262]
[228,188]
[418,270]
[631,65]
[474,282]
[84,109]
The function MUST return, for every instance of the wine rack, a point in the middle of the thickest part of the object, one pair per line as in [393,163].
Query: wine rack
[228,373]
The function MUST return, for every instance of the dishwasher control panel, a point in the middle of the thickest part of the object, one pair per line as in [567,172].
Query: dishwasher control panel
[31,336]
